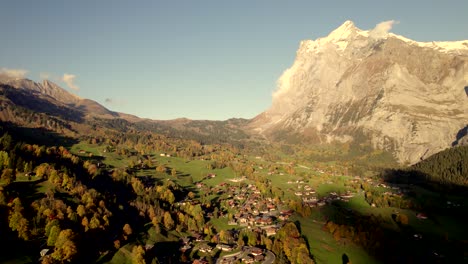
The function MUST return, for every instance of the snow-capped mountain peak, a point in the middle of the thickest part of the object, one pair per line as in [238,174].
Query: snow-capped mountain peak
[407,97]
[343,32]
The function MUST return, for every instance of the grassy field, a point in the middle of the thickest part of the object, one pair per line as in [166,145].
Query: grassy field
[110,158]
[323,246]
[325,249]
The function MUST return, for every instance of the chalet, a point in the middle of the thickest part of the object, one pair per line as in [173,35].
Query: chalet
[256,251]
[243,220]
[283,217]
[248,259]
[225,247]
[288,212]
[264,221]
[149,246]
[205,248]
[198,237]
[270,231]
[185,248]
[259,258]
[44,252]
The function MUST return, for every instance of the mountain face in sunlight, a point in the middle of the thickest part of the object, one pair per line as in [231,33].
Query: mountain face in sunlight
[57,95]
[394,93]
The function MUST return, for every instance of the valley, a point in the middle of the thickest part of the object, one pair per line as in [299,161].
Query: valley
[220,201]
[362,157]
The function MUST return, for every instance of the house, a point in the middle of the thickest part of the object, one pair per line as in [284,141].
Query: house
[225,247]
[259,258]
[264,220]
[205,248]
[44,252]
[270,231]
[185,248]
[248,259]
[149,246]
[256,251]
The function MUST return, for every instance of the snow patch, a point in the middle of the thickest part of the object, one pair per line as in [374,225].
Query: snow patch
[443,46]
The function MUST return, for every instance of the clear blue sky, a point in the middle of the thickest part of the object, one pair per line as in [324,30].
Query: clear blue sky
[195,59]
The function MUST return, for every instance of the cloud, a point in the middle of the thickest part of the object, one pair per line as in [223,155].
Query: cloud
[69,79]
[13,73]
[381,30]
[45,76]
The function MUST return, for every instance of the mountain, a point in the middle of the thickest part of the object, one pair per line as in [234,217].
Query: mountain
[46,105]
[372,87]
[51,91]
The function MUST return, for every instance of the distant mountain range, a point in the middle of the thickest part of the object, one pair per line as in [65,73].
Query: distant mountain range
[47,105]
[353,86]
[382,89]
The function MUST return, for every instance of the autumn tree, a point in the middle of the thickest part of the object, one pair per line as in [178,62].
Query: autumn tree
[127,230]
[168,221]
[161,169]
[8,176]
[65,248]
[17,221]
[138,255]
[53,235]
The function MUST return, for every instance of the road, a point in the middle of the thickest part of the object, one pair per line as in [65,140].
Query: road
[269,258]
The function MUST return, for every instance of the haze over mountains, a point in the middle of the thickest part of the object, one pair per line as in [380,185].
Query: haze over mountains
[397,94]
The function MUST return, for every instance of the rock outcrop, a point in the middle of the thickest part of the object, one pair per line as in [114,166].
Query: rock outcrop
[397,94]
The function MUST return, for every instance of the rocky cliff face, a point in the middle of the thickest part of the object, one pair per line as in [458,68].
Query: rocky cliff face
[403,96]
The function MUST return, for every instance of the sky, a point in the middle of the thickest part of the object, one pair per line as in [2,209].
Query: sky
[196,59]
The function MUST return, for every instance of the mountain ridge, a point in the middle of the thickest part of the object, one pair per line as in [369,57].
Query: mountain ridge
[403,96]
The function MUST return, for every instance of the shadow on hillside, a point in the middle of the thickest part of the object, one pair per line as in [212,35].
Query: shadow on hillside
[417,178]
[28,191]
[437,239]
[39,136]
[166,252]
[392,242]
[461,133]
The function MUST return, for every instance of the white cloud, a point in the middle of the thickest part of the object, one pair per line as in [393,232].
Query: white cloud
[69,79]
[13,73]
[381,30]
[45,76]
